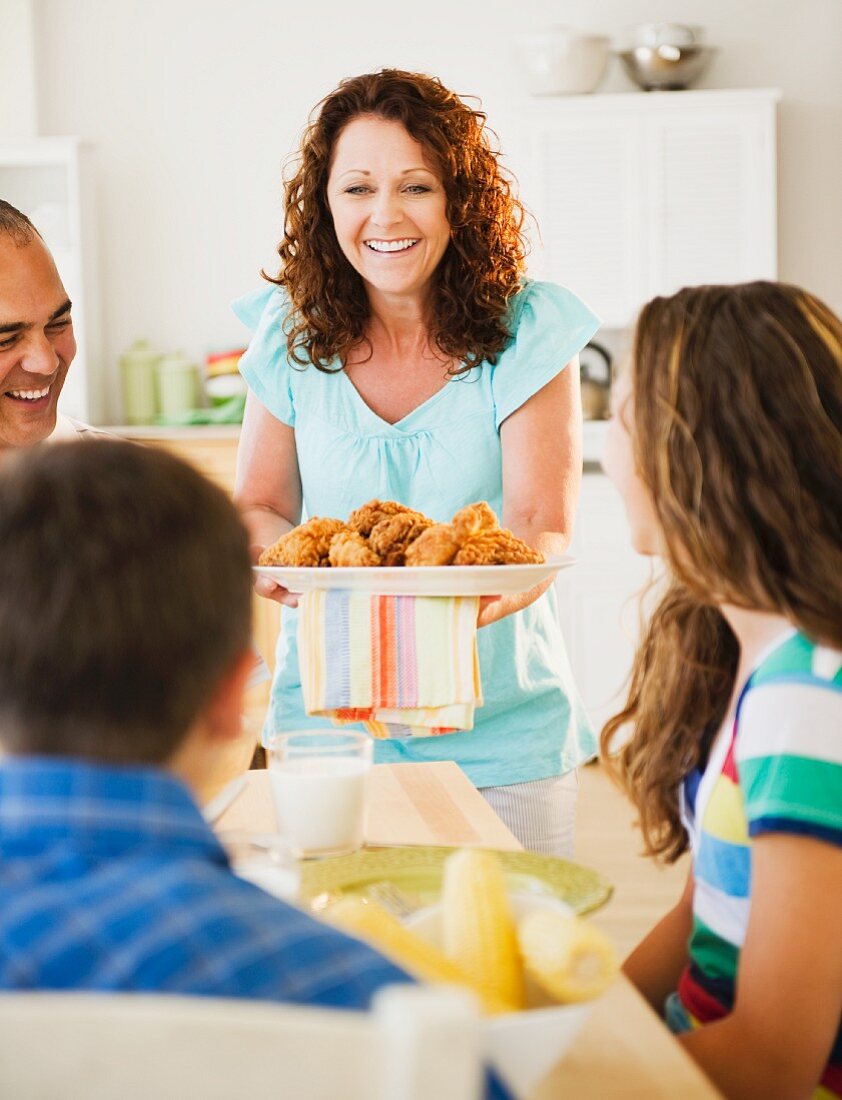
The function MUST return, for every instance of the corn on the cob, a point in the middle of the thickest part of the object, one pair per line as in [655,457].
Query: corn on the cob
[383,931]
[569,958]
[478,931]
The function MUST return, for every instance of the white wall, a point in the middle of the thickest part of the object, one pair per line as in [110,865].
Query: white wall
[17,69]
[193,104]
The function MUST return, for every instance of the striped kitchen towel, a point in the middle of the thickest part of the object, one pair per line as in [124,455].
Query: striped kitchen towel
[404,666]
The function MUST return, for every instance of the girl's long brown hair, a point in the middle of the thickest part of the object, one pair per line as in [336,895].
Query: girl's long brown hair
[737,431]
[482,267]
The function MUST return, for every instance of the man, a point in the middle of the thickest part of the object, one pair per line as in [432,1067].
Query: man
[37,344]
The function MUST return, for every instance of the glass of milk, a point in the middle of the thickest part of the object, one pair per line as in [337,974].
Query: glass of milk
[319,780]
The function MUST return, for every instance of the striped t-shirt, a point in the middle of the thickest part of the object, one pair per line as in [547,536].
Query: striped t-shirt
[779,771]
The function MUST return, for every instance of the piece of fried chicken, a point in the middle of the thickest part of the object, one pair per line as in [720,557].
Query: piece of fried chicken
[391,537]
[350,550]
[437,545]
[472,519]
[365,518]
[305,545]
[496,546]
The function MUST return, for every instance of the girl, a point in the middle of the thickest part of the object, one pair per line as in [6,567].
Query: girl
[726,445]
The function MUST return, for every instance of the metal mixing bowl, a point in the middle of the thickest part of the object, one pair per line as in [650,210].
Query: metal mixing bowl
[666,67]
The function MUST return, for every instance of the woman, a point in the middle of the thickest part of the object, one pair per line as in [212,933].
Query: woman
[401,355]
[726,446]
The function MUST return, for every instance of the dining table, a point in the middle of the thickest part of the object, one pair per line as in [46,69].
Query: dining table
[624,1050]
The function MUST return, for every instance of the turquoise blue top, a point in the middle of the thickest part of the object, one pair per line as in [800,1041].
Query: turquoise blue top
[443,455]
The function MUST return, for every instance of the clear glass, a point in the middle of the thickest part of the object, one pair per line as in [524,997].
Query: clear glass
[267,860]
[319,782]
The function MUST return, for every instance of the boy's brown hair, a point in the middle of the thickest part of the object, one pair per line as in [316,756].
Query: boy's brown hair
[125,594]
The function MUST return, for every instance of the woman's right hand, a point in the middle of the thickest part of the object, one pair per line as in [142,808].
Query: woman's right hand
[269,589]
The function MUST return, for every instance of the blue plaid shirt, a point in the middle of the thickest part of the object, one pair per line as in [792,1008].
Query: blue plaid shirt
[110,879]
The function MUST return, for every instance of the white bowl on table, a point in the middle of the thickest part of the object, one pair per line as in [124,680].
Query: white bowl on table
[522,1046]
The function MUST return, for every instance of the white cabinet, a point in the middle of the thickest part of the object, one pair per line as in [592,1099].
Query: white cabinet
[598,598]
[49,179]
[640,194]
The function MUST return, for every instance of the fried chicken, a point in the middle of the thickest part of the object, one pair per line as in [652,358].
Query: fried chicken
[437,545]
[305,545]
[349,549]
[383,532]
[365,518]
[497,546]
[391,537]
[472,519]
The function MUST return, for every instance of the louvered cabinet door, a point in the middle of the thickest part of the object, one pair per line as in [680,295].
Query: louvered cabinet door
[584,185]
[709,187]
[637,195]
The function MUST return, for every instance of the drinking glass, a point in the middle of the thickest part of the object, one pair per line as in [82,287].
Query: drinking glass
[267,860]
[319,780]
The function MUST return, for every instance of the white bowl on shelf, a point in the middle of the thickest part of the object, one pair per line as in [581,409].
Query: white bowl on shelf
[522,1046]
[562,61]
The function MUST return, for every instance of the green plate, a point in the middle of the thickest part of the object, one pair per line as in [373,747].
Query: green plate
[417,873]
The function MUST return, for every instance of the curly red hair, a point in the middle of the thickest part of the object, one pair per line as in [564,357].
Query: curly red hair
[482,267]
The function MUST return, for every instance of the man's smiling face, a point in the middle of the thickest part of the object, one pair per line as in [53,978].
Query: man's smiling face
[36,342]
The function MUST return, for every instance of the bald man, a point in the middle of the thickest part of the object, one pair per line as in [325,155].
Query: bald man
[37,344]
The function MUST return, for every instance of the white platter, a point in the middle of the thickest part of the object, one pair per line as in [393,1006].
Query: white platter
[420,580]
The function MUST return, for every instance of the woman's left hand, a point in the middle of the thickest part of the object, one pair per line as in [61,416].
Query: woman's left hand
[493,608]
[489,610]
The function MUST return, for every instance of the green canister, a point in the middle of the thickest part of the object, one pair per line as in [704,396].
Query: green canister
[178,385]
[137,370]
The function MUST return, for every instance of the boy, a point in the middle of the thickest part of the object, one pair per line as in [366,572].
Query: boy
[124,650]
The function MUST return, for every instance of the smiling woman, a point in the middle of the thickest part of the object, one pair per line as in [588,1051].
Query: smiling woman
[390,218]
[36,333]
[401,354]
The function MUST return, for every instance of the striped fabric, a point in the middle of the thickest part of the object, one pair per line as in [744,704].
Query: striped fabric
[541,813]
[404,666]
[779,771]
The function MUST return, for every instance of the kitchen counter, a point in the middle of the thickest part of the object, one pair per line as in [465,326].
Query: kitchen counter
[593,435]
[186,432]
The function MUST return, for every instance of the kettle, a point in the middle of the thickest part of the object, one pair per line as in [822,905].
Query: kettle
[595,379]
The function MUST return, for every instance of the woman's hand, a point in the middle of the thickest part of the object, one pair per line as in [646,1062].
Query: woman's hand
[269,589]
[489,607]
[494,608]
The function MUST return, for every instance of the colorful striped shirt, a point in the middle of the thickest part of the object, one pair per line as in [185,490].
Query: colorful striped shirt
[779,771]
